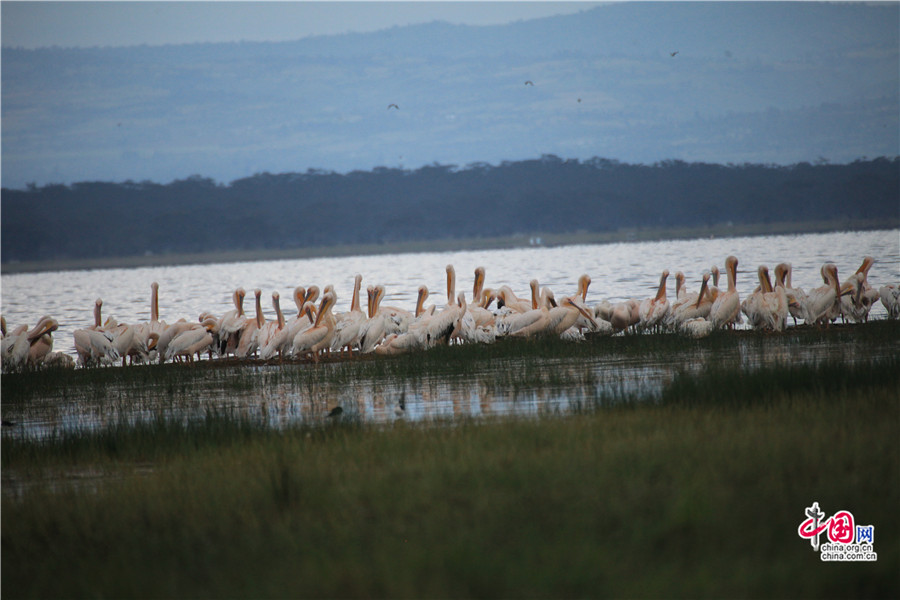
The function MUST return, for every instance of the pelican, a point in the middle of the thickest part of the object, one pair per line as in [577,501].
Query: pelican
[530,323]
[679,286]
[654,310]
[726,310]
[775,306]
[232,323]
[507,298]
[856,304]
[467,328]
[318,337]
[347,325]
[397,320]
[248,341]
[760,307]
[823,303]
[478,309]
[691,306]
[194,340]
[145,333]
[860,296]
[269,333]
[697,327]
[625,314]
[171,332]
[41,338]
[122,336]
[890,298]
[796,296]
[93,345]
[29,348]
[603,310]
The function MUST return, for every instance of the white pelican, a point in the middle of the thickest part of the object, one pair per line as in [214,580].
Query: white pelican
[654,310]
[347,325]
[480,301]
[194,340]
[41,341]
[467,329]
[726,310]
[507,298]
[421,311]
[93,345]
[697,327]
[824,301]
[231,324]
[679,286]
[29,348]
[855,304]
[268,334]
[890,298]
[162,342]
[15,349]
[318,337]
[566,313]
[248,342]
[625,314]
[401,343]
[775,306]
[147,334]
[530,323]
[691,305]
[478,286]
[603,310]
[762,307]
[858,296]
[122,336]
[796,296]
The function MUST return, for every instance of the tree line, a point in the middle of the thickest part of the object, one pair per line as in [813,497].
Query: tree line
[322,208]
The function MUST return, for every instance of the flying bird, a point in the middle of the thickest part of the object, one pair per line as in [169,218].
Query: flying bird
[673,53]
[529,82]
[390,106]
[337,411]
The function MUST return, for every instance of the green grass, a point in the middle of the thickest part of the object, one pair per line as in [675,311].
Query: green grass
[699,494]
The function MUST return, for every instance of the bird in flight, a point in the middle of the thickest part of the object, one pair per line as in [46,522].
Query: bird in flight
[673,53]
[337,411]
[390,106]
[529,82]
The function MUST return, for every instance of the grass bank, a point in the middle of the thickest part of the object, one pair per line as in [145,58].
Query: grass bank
[699,494]
[643,234]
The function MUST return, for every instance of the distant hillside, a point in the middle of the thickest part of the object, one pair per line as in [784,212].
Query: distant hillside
[758,82]
[322,209]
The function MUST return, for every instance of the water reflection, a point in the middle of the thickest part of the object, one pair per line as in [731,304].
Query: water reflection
[304,394]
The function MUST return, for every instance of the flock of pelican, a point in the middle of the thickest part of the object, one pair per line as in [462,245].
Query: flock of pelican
[494,313]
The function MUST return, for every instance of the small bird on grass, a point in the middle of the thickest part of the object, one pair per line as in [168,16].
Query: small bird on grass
[337,411]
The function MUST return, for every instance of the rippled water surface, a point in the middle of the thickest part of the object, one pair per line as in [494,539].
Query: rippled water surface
[504,387]
[618,271]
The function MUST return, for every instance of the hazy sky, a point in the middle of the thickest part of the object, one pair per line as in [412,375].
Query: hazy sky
[35,24]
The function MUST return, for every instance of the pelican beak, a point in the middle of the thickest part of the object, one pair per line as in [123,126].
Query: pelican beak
[587,315]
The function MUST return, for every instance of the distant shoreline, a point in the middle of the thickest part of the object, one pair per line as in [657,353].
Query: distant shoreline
[454,245]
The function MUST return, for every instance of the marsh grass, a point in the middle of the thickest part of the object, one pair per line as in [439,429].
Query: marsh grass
[697,494]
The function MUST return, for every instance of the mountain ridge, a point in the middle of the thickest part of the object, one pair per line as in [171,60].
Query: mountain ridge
[605,84]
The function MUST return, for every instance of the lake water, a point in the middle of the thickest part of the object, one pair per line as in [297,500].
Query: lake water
[618,271]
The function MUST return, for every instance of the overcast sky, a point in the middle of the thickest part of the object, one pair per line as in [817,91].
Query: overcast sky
[34,24]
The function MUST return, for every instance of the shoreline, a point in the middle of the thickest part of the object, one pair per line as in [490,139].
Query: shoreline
[454,245]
